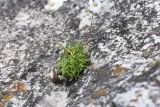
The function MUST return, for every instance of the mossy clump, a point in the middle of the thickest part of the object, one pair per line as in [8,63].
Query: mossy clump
[73,61]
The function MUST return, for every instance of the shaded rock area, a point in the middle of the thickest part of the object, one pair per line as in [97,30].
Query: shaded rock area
[122,38]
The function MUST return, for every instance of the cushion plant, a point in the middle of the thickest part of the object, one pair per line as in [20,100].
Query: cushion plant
[73,61]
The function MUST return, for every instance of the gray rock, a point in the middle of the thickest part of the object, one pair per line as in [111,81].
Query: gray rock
[122,38]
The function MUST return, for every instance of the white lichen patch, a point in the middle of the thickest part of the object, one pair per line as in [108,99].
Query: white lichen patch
[146,46]
[142,95]
[109,53]
[27,18]
[55,99]
[54,4]
[23,18]
[87,81]
[86,19]
[93,7]
[18,102]
[99,6]
[156,38]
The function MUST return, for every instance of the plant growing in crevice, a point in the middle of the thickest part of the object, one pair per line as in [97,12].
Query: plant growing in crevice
[73,61]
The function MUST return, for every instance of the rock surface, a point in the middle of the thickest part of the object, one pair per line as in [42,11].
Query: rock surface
[123,42]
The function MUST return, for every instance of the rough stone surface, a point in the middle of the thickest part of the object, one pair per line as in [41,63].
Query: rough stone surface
[122,38]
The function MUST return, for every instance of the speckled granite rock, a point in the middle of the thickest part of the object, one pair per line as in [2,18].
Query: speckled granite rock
[122,38]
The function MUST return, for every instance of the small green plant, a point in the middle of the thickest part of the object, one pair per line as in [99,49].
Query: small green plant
[73,62]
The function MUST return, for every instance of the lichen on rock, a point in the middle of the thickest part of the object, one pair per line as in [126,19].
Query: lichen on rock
[123,42]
